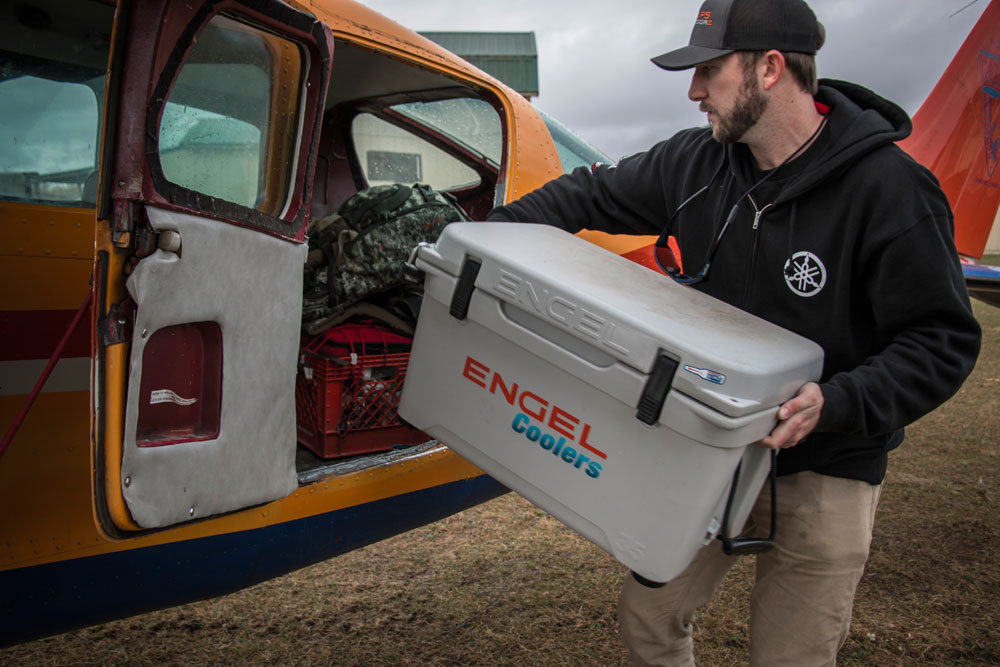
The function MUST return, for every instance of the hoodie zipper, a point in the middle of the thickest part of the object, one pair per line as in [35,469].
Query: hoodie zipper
[752,264]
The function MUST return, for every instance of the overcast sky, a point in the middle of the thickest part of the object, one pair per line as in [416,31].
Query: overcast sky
[593,55]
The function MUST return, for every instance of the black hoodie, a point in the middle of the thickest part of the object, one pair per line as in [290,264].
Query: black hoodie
[853,249]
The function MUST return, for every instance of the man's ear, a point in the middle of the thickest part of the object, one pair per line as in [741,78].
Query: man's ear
[770,68]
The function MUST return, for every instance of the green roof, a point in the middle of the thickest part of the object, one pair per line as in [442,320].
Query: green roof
[486,43]
[509,56]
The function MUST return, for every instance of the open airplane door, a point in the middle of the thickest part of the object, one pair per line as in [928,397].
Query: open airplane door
[215,115]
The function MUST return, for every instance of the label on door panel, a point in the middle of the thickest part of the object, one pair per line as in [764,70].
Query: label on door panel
[167,396]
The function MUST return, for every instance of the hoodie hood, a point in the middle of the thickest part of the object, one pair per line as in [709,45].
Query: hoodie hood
[860,122]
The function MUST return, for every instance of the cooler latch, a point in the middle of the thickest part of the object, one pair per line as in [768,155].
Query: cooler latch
[463,290]
[655,392]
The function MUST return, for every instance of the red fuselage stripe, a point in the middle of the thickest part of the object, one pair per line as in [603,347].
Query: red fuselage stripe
[34,334]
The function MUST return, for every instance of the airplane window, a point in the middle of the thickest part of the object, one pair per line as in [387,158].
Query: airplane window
[48,141]
[471,122]
[385,150]
[52,78]
[224,131]
[573,151]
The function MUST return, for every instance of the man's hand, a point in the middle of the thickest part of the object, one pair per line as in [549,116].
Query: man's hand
[797,418]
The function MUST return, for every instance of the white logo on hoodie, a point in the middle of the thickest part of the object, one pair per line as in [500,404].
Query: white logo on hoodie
[805,274]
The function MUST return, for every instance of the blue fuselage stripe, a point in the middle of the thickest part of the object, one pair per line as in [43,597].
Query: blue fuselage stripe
[48,599]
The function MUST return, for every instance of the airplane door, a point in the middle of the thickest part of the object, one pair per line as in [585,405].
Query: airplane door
[211,148]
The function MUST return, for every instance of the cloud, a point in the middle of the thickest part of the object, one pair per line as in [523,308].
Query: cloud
[594,69]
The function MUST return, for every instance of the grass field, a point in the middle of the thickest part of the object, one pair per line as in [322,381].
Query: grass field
[505,584]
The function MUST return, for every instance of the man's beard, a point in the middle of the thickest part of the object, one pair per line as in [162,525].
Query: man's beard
[749,107]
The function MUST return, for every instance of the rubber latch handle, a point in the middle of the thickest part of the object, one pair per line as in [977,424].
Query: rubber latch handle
[654,394]
[462,296]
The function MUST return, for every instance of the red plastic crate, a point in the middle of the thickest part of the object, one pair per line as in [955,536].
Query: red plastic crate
[346,408]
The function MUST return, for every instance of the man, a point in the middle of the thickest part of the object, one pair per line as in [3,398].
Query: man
[796,206]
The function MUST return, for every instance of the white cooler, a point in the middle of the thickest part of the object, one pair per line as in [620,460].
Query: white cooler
[603,392]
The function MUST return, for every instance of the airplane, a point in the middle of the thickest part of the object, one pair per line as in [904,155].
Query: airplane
[161,163]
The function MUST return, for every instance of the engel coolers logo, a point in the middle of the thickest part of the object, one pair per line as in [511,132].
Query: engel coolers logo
[563,312]
[540,421]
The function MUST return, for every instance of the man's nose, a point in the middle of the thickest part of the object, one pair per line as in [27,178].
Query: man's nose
[697,92]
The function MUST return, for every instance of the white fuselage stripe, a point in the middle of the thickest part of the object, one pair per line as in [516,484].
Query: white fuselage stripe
[19,377]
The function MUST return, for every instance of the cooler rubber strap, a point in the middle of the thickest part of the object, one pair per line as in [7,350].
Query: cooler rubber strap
[655,392]
[648,583]
[463,290]
[739,546]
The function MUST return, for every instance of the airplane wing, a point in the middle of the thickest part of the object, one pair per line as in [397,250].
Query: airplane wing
[983,282]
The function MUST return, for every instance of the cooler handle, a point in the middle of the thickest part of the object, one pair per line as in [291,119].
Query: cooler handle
[738,546]
[462,295]
[654,394]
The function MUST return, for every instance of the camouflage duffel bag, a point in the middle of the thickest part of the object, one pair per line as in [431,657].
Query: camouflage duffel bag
[361,250]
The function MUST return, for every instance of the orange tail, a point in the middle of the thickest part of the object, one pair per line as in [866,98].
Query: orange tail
[956,133]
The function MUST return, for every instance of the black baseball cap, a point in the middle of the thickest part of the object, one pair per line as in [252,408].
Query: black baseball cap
[724,26]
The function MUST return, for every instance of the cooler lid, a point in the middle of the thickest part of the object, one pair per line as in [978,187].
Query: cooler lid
[726,358]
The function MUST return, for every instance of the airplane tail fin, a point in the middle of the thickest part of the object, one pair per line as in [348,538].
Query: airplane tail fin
[956,133]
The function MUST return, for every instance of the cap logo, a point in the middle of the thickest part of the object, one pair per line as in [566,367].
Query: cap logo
[704,18]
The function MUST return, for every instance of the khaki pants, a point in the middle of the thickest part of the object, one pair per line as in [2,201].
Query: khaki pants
[800,606]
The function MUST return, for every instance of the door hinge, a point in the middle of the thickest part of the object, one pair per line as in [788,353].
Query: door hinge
[117,325]
[123,222]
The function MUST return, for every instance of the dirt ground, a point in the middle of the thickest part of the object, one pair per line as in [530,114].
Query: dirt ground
[506,584]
